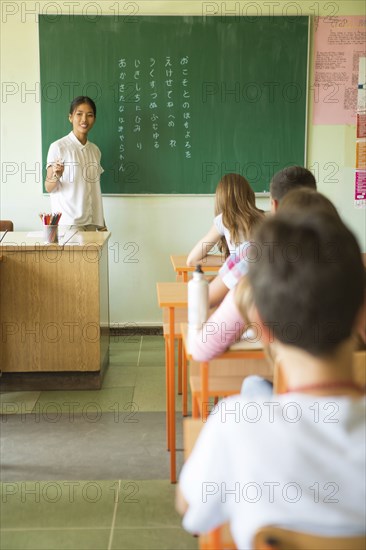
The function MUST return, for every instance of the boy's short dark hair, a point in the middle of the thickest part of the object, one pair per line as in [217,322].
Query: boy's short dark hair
[306,199]
[291,178]
[308,280]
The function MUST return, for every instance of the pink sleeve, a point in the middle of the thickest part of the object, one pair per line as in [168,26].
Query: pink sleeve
[221,330]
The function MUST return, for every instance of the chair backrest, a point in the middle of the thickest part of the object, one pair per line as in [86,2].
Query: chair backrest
[6,225]
[359,367]
[275,538]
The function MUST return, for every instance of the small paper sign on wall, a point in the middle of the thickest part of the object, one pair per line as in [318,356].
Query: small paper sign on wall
[360,186]
[360,174]
[361,125]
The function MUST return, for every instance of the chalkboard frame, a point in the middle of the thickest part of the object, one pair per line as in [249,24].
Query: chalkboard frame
[210,192]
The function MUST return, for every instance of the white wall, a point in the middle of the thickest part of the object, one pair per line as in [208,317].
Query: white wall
[146,229]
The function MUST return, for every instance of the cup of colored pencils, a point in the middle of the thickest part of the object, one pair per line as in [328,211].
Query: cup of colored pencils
[50,227]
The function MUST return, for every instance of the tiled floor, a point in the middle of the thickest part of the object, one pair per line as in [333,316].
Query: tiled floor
[89,469]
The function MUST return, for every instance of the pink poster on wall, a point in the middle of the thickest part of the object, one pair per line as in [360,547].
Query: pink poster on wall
[360,186]
[339,43]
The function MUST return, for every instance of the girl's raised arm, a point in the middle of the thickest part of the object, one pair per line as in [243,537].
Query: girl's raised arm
[202,248]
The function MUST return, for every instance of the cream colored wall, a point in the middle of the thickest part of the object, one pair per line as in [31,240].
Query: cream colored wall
[146,229]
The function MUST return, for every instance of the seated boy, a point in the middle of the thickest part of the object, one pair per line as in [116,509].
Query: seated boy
[298,459]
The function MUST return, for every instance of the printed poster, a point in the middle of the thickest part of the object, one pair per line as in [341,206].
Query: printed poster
[339,44]
[361,88]
[361,155]
[361,125]
[360,186]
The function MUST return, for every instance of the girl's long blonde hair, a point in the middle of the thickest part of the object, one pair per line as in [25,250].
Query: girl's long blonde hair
[235,200]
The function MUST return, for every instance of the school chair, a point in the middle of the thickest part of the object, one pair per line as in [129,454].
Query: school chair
[220,537]
[6,225]
[275,538]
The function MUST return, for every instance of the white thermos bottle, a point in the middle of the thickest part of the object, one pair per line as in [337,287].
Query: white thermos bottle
[197,299]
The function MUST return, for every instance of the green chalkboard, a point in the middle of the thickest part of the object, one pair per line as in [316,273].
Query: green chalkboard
[180,100]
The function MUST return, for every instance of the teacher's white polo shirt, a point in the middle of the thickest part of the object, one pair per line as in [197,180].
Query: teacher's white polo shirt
[78,194]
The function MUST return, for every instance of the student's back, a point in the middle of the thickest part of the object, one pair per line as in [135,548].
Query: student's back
[298,459]
[294,460]
[235,217]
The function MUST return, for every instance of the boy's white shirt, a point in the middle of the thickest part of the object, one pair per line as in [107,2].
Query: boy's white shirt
[296,460]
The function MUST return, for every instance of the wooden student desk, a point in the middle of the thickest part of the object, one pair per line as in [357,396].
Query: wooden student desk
[209,264]
[170,297]
[54,315]
[229,374]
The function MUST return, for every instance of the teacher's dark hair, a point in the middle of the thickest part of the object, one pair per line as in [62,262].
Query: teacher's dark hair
[82,99]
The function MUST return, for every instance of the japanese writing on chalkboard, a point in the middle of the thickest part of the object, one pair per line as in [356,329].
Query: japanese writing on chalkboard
[154,106]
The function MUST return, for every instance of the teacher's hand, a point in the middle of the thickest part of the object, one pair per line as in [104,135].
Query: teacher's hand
[58,168]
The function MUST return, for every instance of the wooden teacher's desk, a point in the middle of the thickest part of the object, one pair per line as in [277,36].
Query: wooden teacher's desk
[54,314]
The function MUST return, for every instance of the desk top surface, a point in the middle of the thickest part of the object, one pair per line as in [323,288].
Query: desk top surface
[211,262]
[33,240]
[172,294]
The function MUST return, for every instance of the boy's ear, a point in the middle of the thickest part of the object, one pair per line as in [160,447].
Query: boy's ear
[274,205]
[265,330]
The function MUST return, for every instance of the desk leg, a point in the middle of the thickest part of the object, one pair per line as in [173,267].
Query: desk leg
[184,382]
[167,391]
[180,361]
[171,382]
[185,276]
[204,390]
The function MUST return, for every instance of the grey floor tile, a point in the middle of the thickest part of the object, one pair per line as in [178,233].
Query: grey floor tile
[126,341]
[152,358]
[116,436]
[150,394]
[153,343]
[118,376]
[55,539]
[123,357]
[57,504]
[153,539]
[18,402]
[125,444]
[139,508]
[89,403]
